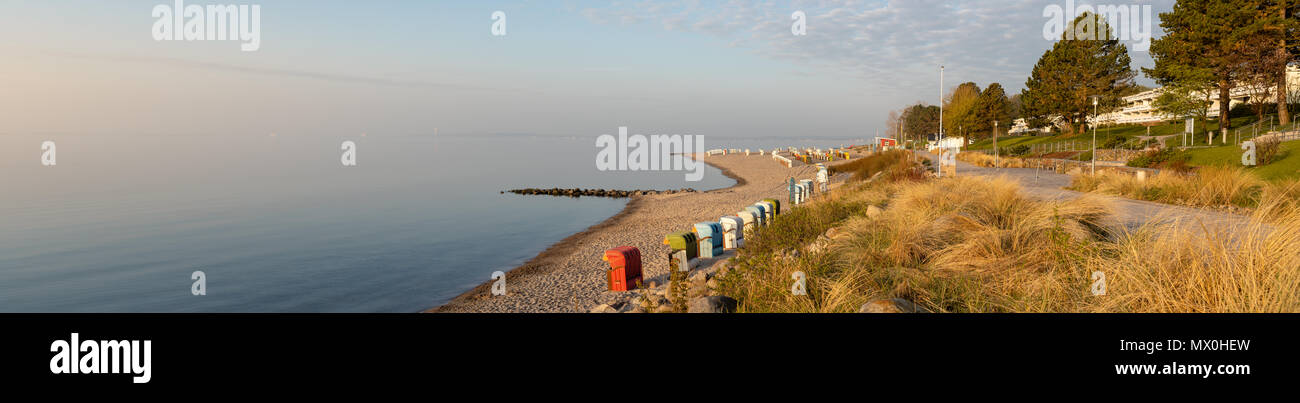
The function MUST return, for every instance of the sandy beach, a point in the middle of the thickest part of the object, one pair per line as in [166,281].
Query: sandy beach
[570,275]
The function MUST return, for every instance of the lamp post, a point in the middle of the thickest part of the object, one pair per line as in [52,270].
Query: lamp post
[996,155]
[940,136]
[1095,119]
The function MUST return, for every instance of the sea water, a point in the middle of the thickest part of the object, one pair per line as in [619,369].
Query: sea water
[277,224]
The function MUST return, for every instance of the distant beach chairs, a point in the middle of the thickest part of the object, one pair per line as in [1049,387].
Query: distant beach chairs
[685,249]
[709,235]
[712,239]
[733,232]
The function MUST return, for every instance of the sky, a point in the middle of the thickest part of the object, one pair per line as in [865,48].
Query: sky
[564,68]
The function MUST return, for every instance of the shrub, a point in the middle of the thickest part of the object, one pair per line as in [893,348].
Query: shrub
[1113,142]
[1267,148]
[1157,158]
[1137,143]
[1018,150]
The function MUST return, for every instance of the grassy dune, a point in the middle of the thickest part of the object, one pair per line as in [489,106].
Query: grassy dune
[895,165]
[1212,186]
[988,161]
[968,244]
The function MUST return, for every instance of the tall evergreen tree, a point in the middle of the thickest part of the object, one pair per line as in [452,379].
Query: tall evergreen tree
[1203,38]
[992,106]
[920,121]
[1074,71]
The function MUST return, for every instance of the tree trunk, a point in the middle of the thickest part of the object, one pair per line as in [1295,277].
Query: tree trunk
[1283,115]
[1225,102]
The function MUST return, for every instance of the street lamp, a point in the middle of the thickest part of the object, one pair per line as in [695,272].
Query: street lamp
[996,155]
[939,138]
[1095,119]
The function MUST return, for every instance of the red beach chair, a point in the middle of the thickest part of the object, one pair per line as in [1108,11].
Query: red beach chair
[624,268]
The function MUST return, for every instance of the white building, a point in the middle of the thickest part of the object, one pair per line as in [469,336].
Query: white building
[1140,107]
[947,142]
[1020,127]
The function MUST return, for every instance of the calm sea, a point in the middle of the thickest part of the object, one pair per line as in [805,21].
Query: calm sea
[277,224]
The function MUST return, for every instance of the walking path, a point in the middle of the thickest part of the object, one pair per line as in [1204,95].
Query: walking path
[1049,185]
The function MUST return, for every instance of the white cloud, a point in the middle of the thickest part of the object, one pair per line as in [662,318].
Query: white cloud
[893,46]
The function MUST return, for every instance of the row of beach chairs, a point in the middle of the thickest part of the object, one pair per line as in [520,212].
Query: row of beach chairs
[707,240]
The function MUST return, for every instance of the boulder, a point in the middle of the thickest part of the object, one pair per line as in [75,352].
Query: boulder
[831,233]
[713,304]
[892,305]
[699,276]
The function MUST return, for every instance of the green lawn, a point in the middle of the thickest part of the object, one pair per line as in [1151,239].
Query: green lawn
[1287,166]
[1105,133]
[1007,142]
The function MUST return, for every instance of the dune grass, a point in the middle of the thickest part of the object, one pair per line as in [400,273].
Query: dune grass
[1213,186]
[988,161]
[969,244]
[895,164]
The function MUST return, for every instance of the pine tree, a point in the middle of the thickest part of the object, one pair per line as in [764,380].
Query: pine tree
[1068,76]
[1203,41]
[920,121]
[992,106]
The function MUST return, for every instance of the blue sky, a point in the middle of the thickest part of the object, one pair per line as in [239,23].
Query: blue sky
[722,68]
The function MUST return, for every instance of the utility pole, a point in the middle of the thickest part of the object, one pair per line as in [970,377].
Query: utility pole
[996,155]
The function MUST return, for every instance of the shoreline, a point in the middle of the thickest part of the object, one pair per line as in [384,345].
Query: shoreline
[558,255]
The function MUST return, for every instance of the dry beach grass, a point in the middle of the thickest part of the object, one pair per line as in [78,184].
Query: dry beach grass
[1213,186]
[973,243]
[976,244]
